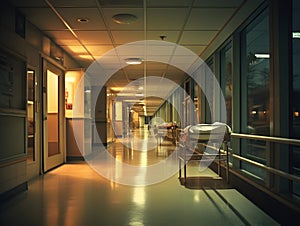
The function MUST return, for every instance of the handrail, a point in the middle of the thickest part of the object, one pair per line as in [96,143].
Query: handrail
[267,138]
[268,168]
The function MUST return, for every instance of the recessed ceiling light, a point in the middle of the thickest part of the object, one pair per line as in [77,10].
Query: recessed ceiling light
[133,60]
[296,34]
[262,55]
[124,18]
[83,20]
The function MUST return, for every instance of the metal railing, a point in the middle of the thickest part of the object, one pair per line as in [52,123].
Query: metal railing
[267,138]
[279,140]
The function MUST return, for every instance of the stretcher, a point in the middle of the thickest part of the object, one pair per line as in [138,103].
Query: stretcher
[204,142]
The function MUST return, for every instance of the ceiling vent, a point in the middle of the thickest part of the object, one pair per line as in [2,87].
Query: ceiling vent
[124,18]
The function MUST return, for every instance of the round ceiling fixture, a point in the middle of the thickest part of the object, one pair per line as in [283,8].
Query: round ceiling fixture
[133,60]
[124,18]
[83,20]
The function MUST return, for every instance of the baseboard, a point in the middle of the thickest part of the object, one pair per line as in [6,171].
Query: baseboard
[14,191]
[75,158]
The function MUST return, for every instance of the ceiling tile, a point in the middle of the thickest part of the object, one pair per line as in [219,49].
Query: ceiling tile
[99,50]
[160,48]
[131,50]
[170,36]
[208,19]
[218,3]
[72,14]
[134,74]
[169,3]
[120,3]
[124,37]
[118,79]
[108,59]
[159,58]
[94,37]
[197,49]
[197,37]
[166,19]
[156,66]
[63,37]
[184,63]
[72,3]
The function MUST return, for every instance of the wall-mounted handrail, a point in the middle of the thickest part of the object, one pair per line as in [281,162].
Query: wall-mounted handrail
[268,168]
[267,138]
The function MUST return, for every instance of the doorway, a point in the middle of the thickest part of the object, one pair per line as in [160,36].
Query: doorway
[53,118]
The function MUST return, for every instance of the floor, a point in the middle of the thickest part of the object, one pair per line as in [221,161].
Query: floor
[75,194]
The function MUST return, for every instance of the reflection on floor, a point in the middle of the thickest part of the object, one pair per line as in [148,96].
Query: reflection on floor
[74,194]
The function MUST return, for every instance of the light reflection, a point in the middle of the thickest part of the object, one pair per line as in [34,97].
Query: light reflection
[197,197]
[139,195]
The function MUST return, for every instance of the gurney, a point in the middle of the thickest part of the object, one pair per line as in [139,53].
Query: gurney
[167,131]
[203,142]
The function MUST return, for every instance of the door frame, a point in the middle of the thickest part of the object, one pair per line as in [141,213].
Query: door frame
[50,162]
[34,167]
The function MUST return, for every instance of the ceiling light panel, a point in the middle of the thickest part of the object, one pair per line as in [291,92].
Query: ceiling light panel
[133,60]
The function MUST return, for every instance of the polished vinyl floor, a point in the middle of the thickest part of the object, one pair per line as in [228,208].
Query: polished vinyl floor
[76,195]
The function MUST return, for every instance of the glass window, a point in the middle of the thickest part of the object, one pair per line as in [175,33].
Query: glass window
[53,113]
[209,91]
[30,116]
[226,81]
[296,92]
[255,90]
[196,104]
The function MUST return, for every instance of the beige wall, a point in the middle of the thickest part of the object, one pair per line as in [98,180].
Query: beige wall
[15,171]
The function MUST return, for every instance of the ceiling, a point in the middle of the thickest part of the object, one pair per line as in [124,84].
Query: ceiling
[192,24]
